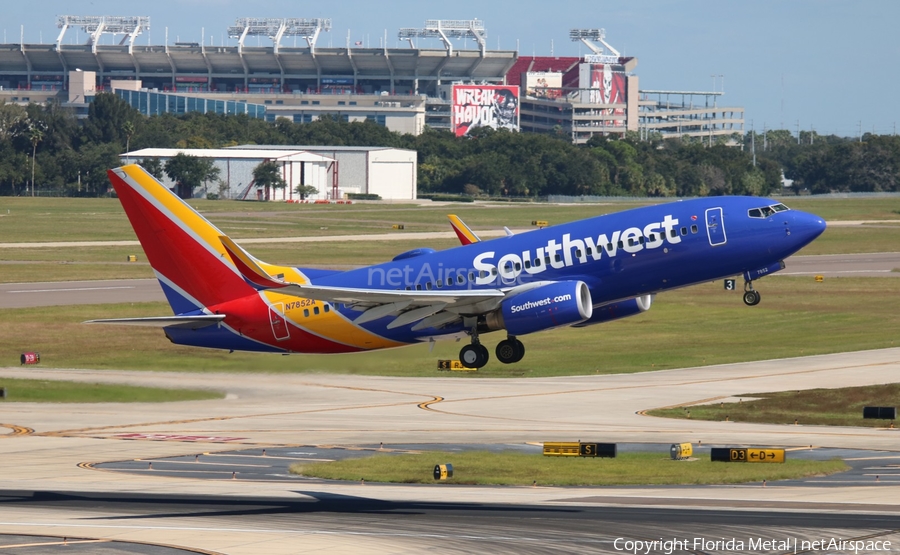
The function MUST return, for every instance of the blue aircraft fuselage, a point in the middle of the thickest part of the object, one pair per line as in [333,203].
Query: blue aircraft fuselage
[619,256]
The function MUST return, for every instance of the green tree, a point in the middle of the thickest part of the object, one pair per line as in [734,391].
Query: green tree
[153,166]
[35,135]
[305,190]
[189,172]
[268,176]
[107,116]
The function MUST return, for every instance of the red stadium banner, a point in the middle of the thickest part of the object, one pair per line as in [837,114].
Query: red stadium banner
[605,85]
[495,106]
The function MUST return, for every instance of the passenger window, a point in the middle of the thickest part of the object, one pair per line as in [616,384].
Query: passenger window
[527,264]
[652,237]
[408,288]
[472,275]
[547,259]
[577,253]
[460,279]
[518,267]
[493,271]
[683,231]
[558,258]
[306,313]
[327,309]
[590,250]
[315,310]
[609,247]
[537,262]
[440,283]
[418,287]
[428,285]
[694,228]
[621,245]
[641,240]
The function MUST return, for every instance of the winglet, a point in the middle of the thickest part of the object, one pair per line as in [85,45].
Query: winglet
[466,235]
[249,269]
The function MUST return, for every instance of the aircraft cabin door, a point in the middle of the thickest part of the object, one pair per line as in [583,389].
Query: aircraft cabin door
[715,227]
[279,325]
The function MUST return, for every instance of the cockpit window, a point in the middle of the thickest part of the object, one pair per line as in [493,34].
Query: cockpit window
[766,211]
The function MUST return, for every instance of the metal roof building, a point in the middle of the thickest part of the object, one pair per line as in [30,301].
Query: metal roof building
[335,172]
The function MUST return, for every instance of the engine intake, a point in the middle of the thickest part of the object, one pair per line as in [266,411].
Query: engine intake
[621,309]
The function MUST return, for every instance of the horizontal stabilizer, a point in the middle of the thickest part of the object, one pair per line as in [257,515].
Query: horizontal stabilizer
[190,322]
[247,266]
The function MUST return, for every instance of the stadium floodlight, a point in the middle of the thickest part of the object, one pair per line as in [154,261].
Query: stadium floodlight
[277,28]
[587,36]
[97,25]
[445,29]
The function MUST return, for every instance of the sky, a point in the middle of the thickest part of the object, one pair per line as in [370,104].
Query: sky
[827,65]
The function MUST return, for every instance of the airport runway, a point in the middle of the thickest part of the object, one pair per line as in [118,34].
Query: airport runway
[53,456]
[22,295]
[307,521]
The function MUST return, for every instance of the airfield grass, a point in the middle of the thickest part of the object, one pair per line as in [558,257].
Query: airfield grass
[45,391]
[695,326]
[24,219]
[522,469]
[18,265]
[822,407]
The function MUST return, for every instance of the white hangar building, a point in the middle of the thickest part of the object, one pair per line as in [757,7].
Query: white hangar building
[334,171]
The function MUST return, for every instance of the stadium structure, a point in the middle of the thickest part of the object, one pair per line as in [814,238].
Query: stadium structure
[404,89]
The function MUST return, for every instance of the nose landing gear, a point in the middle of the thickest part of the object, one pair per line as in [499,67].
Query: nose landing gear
[751,296]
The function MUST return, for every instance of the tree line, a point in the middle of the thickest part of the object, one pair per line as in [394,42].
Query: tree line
[47,149]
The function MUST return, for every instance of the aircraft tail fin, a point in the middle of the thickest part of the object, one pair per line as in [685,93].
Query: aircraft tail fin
[183,248]
[466,235]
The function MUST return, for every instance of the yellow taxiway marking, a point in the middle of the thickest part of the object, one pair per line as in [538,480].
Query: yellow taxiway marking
[17,430]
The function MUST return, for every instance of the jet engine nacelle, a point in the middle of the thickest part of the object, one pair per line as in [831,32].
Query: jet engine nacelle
[621,309]
[549,306]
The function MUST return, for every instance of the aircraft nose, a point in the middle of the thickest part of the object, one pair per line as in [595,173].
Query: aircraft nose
[807,226]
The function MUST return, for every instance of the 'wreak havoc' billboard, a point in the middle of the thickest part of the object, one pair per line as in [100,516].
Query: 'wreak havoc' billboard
[495,106]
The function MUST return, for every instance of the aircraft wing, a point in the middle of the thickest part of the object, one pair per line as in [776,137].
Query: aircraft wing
[428,308]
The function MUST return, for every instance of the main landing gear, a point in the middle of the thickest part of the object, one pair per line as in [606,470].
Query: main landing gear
[510,350]
[475,355]
[751,296]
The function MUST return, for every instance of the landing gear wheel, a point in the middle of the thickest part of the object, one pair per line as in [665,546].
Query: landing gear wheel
[474,356]
[510,350]
[751,298]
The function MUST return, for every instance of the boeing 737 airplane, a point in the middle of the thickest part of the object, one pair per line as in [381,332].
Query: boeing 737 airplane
[575,274]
